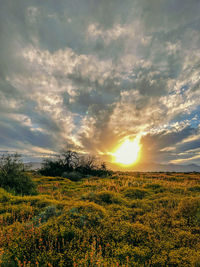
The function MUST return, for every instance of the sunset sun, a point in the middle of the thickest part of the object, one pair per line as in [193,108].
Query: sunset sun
[127,153]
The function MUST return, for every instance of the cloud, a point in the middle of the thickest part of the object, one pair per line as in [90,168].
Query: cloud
[86,77]
[172,144]
[118,31]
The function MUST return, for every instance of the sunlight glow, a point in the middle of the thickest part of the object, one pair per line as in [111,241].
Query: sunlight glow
[127,153]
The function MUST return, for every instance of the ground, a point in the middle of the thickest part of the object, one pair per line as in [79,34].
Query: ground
[127,219]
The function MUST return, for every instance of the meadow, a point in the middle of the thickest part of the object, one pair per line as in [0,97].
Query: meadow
[125,219]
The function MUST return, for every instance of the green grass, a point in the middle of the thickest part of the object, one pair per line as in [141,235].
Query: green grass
[138,219]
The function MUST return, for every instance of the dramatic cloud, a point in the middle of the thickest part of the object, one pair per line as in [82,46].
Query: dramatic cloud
[85,74]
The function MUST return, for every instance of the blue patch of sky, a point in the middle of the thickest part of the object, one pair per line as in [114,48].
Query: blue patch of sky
[184,88]
[193,118]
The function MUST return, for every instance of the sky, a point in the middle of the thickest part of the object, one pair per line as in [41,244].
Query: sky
[86,74]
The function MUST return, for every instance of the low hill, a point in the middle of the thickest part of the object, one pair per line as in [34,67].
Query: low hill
[156,167]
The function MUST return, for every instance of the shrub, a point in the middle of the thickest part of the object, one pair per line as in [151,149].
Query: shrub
[157,188]
[189,208]
[138,234]
[13,176]
[73,176]
[109,197]
[49,212]
[89,214]
[104,197]
[184,257]
[70,163]
[194,188]
[4,195]
[136,193]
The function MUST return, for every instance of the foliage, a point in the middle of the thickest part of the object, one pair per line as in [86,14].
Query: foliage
[107,197]
[127,219]
[13,176]
[89,214]
[73,166]
[73,176]
[137,193]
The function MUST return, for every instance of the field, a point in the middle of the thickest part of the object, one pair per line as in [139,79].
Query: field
[127,219]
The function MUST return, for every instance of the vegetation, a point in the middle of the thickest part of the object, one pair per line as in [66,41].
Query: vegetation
[73,166]
[13,177]
[138,219]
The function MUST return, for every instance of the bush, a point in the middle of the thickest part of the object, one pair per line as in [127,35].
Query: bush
[70,163]
[73,176]
[135,193]
[13,177]
[49,212]
[194,188]
[189,208]
[4,195]
[157,188]
[89,214]
[104,197]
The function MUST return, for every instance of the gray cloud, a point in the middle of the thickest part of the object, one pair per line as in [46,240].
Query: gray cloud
[85,74]
[170,144]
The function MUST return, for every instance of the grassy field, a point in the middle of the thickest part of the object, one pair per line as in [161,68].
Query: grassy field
[138,219]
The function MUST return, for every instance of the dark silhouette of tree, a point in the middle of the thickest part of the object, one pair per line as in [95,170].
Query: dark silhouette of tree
[70,161]
[87,165]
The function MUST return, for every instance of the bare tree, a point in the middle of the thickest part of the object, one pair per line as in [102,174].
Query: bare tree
[69,160]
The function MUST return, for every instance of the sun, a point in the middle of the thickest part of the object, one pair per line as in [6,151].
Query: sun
[128,152]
